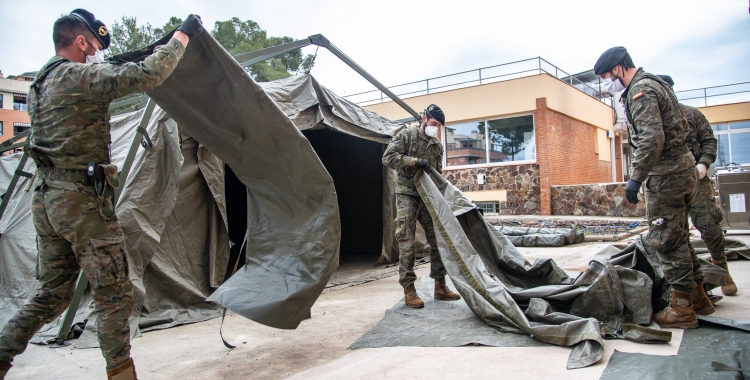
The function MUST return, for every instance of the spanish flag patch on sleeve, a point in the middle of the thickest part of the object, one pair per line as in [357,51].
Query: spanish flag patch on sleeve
[638,95]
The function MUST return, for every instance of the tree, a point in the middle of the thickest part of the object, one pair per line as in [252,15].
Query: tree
[237,37]
[127,35]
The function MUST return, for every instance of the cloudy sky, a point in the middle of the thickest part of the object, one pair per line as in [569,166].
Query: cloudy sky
[700,43]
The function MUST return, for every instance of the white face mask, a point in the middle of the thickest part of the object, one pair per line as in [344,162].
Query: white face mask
[430,131]
[98,57]
[611,86]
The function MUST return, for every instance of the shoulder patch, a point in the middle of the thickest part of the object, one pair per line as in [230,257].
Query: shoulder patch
[638,95]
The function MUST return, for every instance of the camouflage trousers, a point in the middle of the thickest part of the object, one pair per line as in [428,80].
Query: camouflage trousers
[409,210]
[706,216]
[668,199]
[73,236]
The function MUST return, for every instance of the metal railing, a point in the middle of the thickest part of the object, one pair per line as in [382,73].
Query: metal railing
[484,75]
[729,93]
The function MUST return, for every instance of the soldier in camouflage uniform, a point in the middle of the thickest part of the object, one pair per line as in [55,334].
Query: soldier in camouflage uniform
[411,150]
[658,133]
[705,213]
[73,209]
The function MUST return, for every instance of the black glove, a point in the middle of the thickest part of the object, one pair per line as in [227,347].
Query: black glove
[192,26]
[423,164]
[631,191]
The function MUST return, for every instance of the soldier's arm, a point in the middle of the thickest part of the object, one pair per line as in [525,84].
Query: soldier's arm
[706,139]
[644,110]
[109,81]
[394,157]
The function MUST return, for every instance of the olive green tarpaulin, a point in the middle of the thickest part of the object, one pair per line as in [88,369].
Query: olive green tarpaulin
[498,283]
[293,229]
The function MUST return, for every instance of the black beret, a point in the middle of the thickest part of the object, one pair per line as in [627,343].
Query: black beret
[95,26]
[667,79]
[433,111]
[609,59]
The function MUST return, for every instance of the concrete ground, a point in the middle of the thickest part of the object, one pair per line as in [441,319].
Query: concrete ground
[318,348]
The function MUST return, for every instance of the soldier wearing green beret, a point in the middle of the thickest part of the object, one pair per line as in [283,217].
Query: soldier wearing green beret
[72,210]
[658,133]
[411,150]
[705,213]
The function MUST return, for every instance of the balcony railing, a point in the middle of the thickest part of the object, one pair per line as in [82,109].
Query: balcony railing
[729,93]
[484,75]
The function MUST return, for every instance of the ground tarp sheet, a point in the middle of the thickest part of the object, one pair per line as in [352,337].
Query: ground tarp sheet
[438,324]
[712,351]
[293,230]
[607,299]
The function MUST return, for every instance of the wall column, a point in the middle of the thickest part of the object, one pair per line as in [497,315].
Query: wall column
[544,140]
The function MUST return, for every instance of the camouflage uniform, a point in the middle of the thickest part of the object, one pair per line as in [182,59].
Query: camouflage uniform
[705,213]
[661,160]
[69,111]
[402,154]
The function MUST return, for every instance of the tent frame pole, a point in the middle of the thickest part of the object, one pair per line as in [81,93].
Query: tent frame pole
[140,135]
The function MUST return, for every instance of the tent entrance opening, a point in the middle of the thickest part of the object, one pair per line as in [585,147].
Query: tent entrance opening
[355,166]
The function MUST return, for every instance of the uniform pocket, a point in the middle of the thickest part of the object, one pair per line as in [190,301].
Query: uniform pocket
[108,263]
[662,234]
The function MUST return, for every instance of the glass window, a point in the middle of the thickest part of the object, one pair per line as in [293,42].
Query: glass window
[488,207]
[465,144]
[722,151]
[19,103]
[493,141]
[735,125]
[1,101]
[740,147]
[1,123]
[512,139]
[719,127]
[20,128]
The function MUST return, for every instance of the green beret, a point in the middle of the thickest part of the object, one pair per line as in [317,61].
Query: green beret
[667,79]
[95,26]
[609,59]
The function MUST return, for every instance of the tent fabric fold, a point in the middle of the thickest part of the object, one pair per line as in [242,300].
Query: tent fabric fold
[293,225]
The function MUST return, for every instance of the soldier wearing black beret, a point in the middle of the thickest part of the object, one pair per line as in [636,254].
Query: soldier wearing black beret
[68,106]
[658,132]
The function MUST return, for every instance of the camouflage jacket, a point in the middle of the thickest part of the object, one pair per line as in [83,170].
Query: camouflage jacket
[69,102]
[700,140]
[658,130]
[402,154]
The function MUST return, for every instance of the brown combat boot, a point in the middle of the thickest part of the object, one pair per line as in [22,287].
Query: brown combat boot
[729,288]
[411,298]
[125,371]
[442,292]
[679,314]
[4,368]
[701,304]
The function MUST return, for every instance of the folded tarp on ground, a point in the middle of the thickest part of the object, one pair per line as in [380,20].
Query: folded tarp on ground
[542,237]
[293,221]
[611,298]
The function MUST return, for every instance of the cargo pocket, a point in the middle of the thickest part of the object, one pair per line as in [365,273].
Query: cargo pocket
[400,227]
[660,233]
[108,257]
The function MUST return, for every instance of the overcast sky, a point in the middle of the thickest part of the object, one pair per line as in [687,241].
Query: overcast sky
[699,43]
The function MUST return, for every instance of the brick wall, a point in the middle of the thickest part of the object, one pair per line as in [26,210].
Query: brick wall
[520,181]
[606,199]
[565,153]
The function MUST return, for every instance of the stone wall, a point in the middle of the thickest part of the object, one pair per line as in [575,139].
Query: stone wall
[606,199]
[520,181]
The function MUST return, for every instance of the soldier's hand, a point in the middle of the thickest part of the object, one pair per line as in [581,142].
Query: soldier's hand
[701,170]
[631,191]
[192,26]
[423,164]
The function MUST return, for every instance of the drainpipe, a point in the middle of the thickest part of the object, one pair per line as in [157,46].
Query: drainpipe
[613,155]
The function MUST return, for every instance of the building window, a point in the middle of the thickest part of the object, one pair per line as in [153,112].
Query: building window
[488,207]
[20,128]
[19,102]
[733,139]
[1,102]
[1,123]
[490,141]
